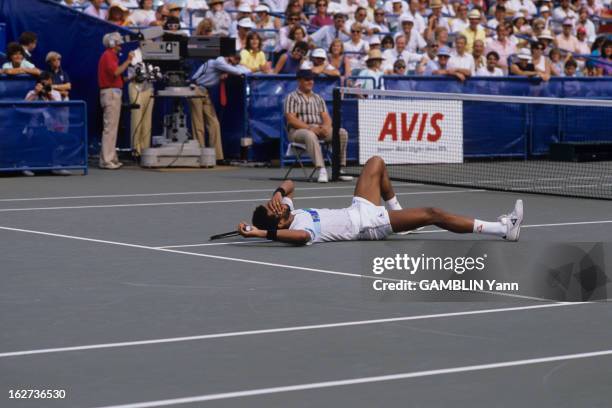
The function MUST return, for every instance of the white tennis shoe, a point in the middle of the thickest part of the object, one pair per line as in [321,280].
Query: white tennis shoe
[513,222]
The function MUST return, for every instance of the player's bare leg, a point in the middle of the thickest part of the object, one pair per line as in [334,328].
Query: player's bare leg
[412,218]
[374,182]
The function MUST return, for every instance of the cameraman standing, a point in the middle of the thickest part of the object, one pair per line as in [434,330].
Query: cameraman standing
[110,81]
[141,93]
[43,90]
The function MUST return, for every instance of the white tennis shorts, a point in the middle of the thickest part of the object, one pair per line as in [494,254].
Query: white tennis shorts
[374,223]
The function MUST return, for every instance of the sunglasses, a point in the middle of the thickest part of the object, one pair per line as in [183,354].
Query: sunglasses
[379,14]
[356,31]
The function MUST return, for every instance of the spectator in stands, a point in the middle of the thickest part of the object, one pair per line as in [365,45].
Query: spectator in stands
[203,112]
[308,122]
[17,64]
[59,78]
[95,9]
[43,90]
[566,41]
[374,43]
[546,39]
[594,7]
[540,62]
[592,70]
[605,60]
[480,61]
[145,15]
[220,18]
[173,25]
[161,14]
[571,68]
[515,6]
[461,61]
[394,9]
[297,7]
[321,18]
[205,28]
[557,63]
[174,10]
[320,66]
[118,15]
[428,63]
[461,22]
[28,41]
[337,59]
[587,25]
[252,56]
[563,12]
[500,18]
[324,36]
[387,43]
[264,21]
[414,40]
[442,67]
[289,63]
[474,31]
[502,46]
[399,68]
[441,37]
[582,46]
[244,27]
[546,15]
[110,81]
[361,18]
[413,11]
[523,66]
[400,52]
[356,49]
[284,43]
[373,70]
[519,27]
[491,69]
[435,20]
[244,14]
[379,25]
[537,28]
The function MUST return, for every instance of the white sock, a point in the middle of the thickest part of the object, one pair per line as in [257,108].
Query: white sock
[322,170]
[490,228]
[393,204]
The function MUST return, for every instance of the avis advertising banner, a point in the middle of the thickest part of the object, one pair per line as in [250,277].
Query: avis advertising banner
[411,132]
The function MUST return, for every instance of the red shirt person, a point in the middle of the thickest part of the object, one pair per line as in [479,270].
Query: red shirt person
[110,82]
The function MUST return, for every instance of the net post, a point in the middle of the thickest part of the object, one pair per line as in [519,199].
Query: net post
[336,118]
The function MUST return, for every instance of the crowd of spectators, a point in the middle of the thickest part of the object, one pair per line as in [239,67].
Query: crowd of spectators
[481,37]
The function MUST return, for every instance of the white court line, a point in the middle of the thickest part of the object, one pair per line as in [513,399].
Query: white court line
[560,224]
[223,201]
[249,261]
[281,330]
[362,380]
[258,241]
[260,190]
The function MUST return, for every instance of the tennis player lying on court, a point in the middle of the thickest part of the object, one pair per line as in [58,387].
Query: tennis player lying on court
[365,219]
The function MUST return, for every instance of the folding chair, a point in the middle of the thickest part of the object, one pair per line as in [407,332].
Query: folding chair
[299,149]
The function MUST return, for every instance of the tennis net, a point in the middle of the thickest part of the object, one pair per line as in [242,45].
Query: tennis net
[529,144]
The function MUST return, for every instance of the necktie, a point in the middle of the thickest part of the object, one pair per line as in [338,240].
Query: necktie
[222,93]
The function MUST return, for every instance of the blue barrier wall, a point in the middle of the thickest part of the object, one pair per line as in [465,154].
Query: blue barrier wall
[43,135]
[557,87]
[78,37]
[15,87]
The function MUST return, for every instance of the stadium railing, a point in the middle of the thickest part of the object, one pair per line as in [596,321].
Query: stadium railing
[43,136]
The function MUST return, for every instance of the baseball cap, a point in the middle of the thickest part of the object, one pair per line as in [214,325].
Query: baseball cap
[375,40]
[524,54]
[406,18]
[305,71]
[568,22]
[262,8]
[444,51]
[246,23]
[318,53]
[474,14]
[244,8]
[581,29]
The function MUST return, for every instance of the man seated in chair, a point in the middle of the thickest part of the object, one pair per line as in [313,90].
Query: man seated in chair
[308,122]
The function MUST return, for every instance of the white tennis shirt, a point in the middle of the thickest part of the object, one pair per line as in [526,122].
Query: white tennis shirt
[333,224]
